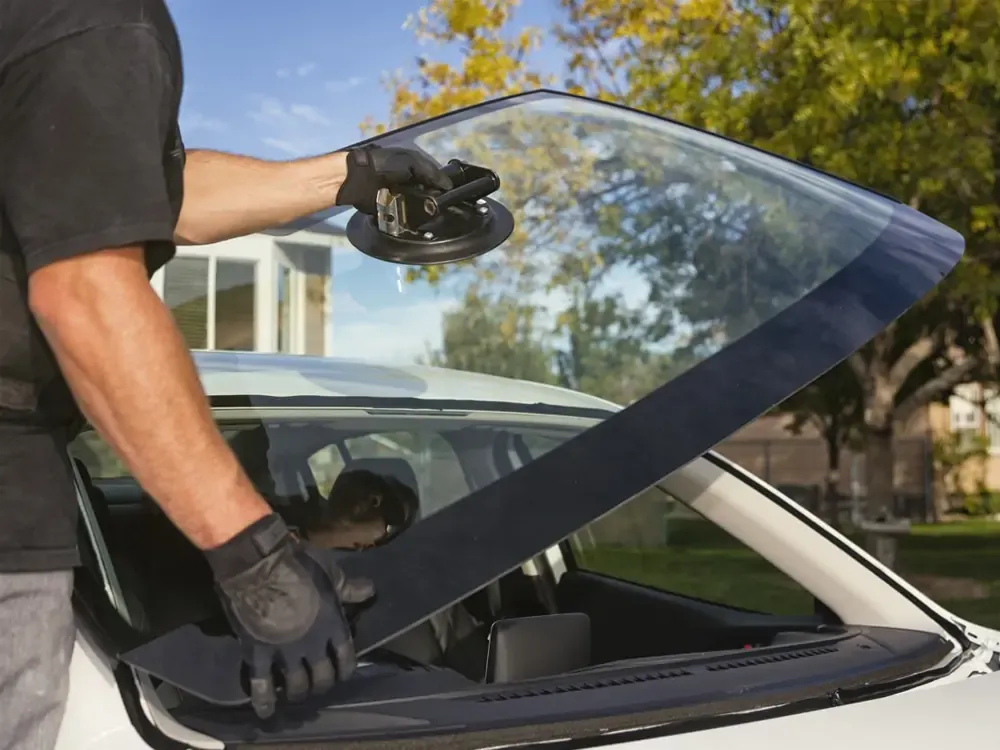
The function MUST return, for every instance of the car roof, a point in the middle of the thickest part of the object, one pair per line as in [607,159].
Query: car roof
[225,373]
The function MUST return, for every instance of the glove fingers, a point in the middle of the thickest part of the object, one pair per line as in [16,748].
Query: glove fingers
[428,173]
[344,658]
[348,590]
[323,676]
[263,697]
[296,681]
[356,590]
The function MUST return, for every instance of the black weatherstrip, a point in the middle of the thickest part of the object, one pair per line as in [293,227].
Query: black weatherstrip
[464,546]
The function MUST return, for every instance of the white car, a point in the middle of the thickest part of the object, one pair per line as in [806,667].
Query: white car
[563,570]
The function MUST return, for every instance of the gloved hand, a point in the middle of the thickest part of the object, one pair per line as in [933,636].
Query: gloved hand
[371,168]
[284,600]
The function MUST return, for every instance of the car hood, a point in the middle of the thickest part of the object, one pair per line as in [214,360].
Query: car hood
[757,276]
[937,715]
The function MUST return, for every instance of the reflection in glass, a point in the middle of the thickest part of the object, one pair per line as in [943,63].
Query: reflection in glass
[185,292]
[662,243]
[235,305]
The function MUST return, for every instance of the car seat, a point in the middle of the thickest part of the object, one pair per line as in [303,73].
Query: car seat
[397,468]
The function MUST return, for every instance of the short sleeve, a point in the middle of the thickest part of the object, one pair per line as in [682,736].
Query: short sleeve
[85,124]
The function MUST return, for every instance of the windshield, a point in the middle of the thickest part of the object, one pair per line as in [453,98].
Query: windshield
[641,247]
[695,280]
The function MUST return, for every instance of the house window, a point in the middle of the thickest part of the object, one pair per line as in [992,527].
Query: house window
[992,397]
[966,412]
[214,301]
[185,292]
[284,292]
[302,298]
[235,305]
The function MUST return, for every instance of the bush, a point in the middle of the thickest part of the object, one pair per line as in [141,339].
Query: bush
[982,503]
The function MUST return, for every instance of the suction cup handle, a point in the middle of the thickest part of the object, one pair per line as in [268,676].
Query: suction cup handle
[470,184]
[467,193]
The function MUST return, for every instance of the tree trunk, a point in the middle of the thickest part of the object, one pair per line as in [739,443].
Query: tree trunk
[830,501]
[879,474]
[942,500]
[880,490]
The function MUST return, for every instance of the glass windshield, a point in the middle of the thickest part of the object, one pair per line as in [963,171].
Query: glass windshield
[696,281]
[641,247]
[344,479]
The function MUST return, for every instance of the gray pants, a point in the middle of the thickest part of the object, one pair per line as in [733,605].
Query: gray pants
[37,633]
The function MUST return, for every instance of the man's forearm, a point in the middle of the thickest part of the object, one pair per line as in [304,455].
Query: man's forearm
[227,196]
[132,375]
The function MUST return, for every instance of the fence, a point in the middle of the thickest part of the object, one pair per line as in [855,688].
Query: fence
[797,466]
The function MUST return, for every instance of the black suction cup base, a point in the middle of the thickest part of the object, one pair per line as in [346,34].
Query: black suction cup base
[471,237]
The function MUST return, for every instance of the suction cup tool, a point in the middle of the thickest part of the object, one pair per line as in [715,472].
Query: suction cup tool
[420,227]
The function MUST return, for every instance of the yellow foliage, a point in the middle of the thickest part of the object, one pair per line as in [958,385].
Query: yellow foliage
[493,60]
[898,95]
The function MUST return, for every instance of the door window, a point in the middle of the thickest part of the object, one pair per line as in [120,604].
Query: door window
[656,541]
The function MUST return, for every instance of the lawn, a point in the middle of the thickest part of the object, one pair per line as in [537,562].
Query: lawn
[957,564]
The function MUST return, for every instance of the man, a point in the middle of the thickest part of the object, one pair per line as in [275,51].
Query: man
[95,190]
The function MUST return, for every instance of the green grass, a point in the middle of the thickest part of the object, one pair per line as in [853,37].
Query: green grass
[957,564]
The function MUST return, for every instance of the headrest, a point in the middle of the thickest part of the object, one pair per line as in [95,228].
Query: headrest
[525,648]
[397,468]
[376,488]
[251,449]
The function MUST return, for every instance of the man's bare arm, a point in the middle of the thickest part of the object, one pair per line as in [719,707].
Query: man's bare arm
[124,359]
[227,196]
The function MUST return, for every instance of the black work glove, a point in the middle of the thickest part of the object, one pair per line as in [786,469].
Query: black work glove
[371,168]
[285,601]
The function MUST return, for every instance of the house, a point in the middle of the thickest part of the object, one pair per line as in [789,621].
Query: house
[798,462]
[973,415]
[268,292]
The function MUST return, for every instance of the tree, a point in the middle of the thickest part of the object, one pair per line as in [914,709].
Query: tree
[951,455]
[833,406]
[496,337]
[899,97]
[494,61]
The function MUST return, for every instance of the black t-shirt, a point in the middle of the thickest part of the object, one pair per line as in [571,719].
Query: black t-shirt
[90,157]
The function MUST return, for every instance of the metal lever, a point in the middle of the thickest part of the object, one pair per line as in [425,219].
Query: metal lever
[409,211]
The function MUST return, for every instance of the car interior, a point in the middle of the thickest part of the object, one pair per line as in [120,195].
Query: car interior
[530,623]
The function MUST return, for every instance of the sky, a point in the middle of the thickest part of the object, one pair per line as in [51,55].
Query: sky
[295,78]
[291,78]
